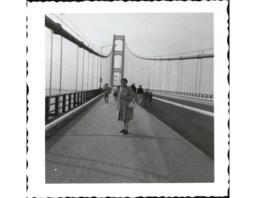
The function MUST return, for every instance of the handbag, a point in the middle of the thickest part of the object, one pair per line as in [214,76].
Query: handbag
[132,105]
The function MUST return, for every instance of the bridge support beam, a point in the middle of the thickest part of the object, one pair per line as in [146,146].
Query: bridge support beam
[115,53]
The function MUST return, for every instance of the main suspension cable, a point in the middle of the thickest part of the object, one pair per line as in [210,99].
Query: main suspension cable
[199,56]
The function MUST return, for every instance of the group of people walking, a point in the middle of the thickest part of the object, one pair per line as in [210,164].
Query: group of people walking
[125,96]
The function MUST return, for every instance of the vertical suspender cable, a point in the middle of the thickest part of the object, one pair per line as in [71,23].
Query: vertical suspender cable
[149,84]
[99,72]
[153,75]
[110,71]
[83,73]
[157,69]
[91,68]
[156,74]
[178,76]
[100,69]
[167,71]
[106,71]
[95,72]
[76,68]
[103,69]
[200,74]
[181,75]
[51,64]
[149,77]
[61,48]
[92,71]
[97,79]
[88,69]
[196,80]
[170,75]
[161,75]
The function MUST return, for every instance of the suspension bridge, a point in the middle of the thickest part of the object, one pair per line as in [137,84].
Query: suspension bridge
[171,136]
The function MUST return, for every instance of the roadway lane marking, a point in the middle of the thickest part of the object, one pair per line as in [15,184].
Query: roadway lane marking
[207,113]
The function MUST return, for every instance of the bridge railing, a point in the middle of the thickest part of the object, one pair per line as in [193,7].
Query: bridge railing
[58,105]
[204,96]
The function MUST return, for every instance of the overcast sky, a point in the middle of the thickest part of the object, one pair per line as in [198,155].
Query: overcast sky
[148,34]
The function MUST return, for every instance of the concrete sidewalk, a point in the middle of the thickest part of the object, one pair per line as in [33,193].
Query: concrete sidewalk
[90,149]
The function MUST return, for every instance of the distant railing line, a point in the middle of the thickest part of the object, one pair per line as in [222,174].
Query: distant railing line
[204,96]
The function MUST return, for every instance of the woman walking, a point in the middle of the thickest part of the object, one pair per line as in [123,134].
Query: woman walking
[125,97]
[107,91]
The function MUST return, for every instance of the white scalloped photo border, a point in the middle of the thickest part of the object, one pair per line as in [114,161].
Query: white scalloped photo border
[36,82]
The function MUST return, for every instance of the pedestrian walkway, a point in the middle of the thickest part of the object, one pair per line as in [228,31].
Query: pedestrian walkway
[90,149]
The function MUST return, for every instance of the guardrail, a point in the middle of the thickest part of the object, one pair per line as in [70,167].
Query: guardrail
[58,105]
[204,96]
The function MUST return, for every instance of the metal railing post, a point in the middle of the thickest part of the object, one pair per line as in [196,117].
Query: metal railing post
[63,103]
[69,101]
[76,99]
[80,101]
[84,97]
[47,109]
[56,105]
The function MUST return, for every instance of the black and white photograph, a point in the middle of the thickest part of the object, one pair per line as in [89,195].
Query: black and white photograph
[128,98]
[135,103]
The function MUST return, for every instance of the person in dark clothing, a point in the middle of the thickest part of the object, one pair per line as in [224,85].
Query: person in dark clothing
[115,92]
[140,92]
[134,89]
[147,97]
[150,96]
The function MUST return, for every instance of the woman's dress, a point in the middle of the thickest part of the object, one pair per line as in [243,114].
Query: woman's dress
[124,98]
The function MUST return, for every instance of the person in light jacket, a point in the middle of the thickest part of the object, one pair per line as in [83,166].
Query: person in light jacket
[107,91]
[125,112]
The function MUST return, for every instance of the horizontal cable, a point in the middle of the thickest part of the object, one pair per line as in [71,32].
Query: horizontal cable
[199,56]
[58,29]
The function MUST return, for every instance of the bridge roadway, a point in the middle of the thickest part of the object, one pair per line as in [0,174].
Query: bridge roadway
[90,149]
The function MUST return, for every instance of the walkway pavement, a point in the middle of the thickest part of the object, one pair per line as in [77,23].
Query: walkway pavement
[90,149]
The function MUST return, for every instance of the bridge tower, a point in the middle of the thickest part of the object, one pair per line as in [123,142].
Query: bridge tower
[117,68]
